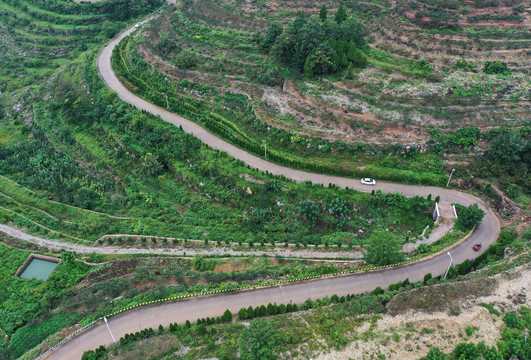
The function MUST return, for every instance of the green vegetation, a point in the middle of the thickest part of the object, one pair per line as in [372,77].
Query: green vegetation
[164,195]
[469,217]
[513,344]
[239,126]
[297,123]
[263,339]
[507,161]
[31,310]
[259,341]
[26,305]
[40,36]
[383,249]
[315,46]
[335,324]
[495,67]
[396,92]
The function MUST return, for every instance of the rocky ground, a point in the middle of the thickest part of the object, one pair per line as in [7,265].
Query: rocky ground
[410,334]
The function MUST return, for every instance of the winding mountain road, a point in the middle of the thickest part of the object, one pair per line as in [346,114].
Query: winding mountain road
[209,306]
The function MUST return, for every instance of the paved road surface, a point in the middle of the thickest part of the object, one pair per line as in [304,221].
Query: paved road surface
[211,306]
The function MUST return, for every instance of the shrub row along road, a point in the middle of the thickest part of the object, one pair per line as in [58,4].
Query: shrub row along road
[215,305]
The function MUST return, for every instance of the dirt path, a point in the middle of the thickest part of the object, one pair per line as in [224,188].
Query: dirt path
[82,249]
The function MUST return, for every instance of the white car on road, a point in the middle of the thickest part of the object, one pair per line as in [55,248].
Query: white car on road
[368,181]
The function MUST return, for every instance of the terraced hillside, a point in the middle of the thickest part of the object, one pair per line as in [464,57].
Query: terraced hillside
[428,89]
[422,73]
[36,37]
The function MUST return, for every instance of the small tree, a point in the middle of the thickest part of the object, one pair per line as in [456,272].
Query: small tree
[378,291]
[242,314]
[495,67]
[467,351]
[201,329]
[341,14]
[165,45]
[67,257]
[511,320]
[282,309]
[383,249]
[272,309]
[323,14]
[227,316]
[260,341]
[250,312]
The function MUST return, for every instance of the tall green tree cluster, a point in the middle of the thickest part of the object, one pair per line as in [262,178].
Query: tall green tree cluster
[317,45]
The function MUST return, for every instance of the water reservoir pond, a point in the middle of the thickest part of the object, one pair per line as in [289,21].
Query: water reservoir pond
[38,269]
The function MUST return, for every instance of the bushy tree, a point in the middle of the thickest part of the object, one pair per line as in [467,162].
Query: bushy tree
[467,351]
[201,329]
[511,320]
[301,37]
[260,341]
[352,30]
[310,211]
[507,148]
[436,354]
[67,257]
[341,209]
[427,278]
[320,61]
[310,44]
[272,309]
[383,249]
[258,217]
[468,217]
[495,67]
[274,30]
[282,309]
[242,314]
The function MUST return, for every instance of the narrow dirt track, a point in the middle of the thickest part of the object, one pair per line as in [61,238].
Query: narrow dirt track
[210,306]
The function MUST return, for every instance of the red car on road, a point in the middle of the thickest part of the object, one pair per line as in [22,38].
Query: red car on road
[477,247]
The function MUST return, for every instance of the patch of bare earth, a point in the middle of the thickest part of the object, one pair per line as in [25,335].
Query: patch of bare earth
[420,319]
[147,349]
